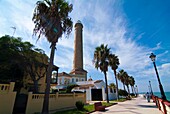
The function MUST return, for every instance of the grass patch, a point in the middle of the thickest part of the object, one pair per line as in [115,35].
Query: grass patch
[107,104]
[115,101]
[87,108]
[121,100]
[72,111]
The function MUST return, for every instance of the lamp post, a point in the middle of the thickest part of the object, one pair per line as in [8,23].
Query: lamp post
[153,57]
[136,90]
[150,87]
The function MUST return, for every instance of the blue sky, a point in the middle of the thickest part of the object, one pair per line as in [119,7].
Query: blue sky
[132,29]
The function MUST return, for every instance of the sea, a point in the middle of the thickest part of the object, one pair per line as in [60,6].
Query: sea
[167,94]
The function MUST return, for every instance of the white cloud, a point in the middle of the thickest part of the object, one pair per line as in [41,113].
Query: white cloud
[164,70]
[18,14]
[64,58]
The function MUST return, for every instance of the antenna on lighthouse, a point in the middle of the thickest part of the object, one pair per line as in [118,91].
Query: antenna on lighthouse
[14,30]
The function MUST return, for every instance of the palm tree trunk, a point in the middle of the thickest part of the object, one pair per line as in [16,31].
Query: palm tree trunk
[128,89]
[116,85]
[132,89]
[124,86]
[107,96]
[45,109]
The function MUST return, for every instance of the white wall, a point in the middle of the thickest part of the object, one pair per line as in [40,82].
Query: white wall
[112,95]
[88,94]
[62,78]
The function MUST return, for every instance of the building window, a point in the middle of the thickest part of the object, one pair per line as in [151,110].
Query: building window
[82,79]
[72,79]
[66,81]
[114,90]
[111,91]
[76,79]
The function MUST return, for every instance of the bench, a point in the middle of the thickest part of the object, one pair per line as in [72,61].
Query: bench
[98,106]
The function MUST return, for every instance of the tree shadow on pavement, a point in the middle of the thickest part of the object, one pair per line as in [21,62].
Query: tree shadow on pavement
[147,106]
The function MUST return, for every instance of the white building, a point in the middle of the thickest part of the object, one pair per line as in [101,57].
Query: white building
[65,79]
[95,90]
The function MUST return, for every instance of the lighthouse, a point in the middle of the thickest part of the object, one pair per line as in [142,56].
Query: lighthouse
[78,51]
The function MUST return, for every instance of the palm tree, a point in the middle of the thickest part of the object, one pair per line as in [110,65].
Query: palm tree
[51,19]
[132,83]
[101,60]
[121,77]
[127,81]
[113,63]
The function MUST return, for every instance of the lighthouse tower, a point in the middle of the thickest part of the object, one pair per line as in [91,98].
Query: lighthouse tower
[78,51]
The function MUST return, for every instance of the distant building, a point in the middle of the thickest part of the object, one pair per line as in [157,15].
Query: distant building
[65,79]
[95,90]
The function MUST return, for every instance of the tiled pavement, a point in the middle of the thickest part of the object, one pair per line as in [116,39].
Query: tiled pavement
[138,105]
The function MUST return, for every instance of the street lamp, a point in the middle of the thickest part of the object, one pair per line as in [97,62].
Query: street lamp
[150,87]
[136,90]
[153,57]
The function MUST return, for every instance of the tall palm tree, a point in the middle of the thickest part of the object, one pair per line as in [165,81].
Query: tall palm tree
[121,76]
[127,81]
[101,60]
[113,63]
[132,83]
[51,20]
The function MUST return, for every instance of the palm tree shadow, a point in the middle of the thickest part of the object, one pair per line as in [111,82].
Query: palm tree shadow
[147,106]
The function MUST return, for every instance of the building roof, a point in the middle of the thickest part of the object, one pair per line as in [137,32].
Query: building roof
[88,83]
[64,74]
[70,75]
[55,67]
[84,86]
[78,71]
[98,81]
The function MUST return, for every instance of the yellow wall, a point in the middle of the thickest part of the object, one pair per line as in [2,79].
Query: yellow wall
[56,101]
[7,98]
[35,101]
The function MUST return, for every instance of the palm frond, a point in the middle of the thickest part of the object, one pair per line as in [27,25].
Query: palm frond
[52,19]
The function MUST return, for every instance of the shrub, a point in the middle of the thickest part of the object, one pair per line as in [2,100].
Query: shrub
[132,94]
[70,87]
[122,92]
[78,92]
[128,97]
[79,105]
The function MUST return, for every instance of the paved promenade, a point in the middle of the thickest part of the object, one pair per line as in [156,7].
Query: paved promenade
[135,106]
